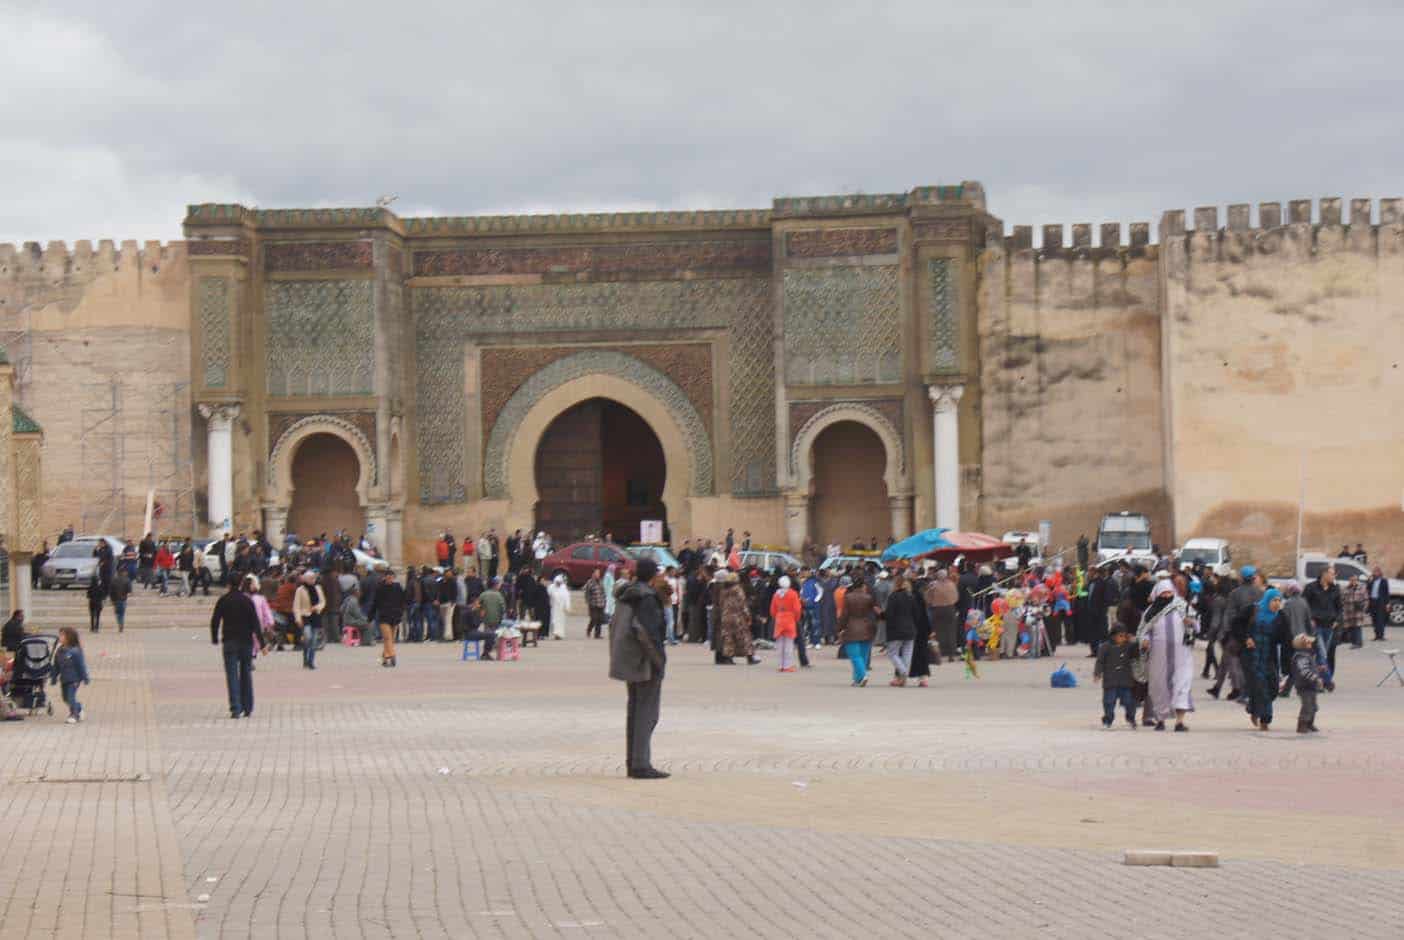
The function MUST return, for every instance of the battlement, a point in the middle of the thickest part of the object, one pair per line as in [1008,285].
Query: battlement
[1053,245]
[1270,216]
[969,193]
[56,261]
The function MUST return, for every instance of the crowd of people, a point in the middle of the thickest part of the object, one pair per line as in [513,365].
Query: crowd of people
[1140,623]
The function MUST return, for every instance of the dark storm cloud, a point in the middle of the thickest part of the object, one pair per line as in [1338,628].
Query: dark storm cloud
[116,115]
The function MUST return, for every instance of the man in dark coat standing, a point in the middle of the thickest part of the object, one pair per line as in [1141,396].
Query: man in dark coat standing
[235,612]
[637,656]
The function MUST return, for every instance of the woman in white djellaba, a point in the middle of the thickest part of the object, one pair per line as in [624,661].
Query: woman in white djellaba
[559,593]
[1166,636]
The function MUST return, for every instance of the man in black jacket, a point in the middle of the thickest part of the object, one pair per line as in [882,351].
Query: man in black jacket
[1324,599]
[235,612]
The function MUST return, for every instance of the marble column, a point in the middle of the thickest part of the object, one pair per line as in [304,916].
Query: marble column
[901,506]
[219,423]
[945,431]
[377,527]
[394,536]
[796,520]
[275,525]
[20,572]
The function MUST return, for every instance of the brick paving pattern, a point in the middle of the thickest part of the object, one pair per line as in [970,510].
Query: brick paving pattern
[799,807]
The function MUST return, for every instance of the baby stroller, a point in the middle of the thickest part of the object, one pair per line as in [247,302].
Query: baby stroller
[30,679]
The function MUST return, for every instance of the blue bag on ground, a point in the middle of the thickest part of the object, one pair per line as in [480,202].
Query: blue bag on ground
[1062,678]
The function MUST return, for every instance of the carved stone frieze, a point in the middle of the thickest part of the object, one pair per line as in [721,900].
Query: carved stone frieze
[840,242]
[286,257]
[599,260]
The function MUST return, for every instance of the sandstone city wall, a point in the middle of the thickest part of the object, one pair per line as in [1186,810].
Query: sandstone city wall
[1284,348]
[74,321]
[1070,368]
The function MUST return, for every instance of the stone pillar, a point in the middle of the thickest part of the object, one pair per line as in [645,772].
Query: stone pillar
[945,431]
[219,420]
[275,526]
[901,505]
[796,520]
[20,573]
[394,538]
[377,527]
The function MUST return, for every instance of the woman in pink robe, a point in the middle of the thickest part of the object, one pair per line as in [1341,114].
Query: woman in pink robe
[1169,658]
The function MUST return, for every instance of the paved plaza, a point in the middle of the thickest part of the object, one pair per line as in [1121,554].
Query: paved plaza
[452,799]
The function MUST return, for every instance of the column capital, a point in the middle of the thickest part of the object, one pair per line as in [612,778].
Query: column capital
[945,397]
[220,414]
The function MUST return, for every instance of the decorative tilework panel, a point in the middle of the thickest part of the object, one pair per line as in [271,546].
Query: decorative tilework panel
[215,353]
[280,421]
[503,369]
[588,362]
[445,317]
[944,346]
[321,337]
[843,326]
[841,242]
[318,256]
[802,411]
[28,535]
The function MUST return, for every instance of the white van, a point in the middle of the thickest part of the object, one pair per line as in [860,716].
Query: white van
[1214,554]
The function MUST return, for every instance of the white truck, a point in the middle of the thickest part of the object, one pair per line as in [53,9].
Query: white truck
[1125,536]
[1311,564]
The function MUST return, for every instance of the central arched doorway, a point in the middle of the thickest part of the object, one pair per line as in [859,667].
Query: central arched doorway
[849,492]
[325,471]
[599,469]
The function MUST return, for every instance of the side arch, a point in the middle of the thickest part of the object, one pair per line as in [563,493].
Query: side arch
[801,454]
[598,374]
[280,460]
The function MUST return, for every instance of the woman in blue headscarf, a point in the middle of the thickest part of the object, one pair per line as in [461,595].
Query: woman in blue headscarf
[1261,656]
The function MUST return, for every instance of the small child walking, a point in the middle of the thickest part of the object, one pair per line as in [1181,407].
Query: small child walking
[1306,675]
[70,670]
[1113,668]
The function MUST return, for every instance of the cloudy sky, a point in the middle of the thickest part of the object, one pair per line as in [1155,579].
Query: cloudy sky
[115,115]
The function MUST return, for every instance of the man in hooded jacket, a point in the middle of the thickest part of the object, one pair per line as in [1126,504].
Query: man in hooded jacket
[637,656]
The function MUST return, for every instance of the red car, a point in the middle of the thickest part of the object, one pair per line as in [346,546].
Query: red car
[578,559]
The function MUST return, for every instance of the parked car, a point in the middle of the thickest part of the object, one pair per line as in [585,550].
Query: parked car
[1214,554]
[212,566]
[74,562]
[1311,564]
[768,560]
[578,559]
[849,561]
[662,555]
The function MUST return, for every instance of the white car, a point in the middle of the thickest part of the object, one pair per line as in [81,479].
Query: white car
[1014,540]
[212,564]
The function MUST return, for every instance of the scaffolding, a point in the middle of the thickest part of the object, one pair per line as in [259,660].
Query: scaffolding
[103,459]
[135,439]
